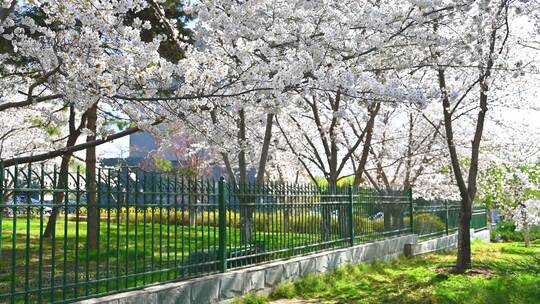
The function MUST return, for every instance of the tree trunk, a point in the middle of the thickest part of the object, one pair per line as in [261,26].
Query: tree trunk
[326,209]
[61,182]
[464,236]
[92,226]
[408,161]
[284,203]
[246,210]
[373,111]
[527,235]
[246,202]
[387,215]
[192,208]
[467,191]
[58,196]
[265,148]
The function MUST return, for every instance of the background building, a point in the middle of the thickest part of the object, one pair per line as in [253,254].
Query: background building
[148,152]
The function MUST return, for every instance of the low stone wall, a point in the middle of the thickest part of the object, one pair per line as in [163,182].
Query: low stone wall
[220,288]
[482,235]
[443,243]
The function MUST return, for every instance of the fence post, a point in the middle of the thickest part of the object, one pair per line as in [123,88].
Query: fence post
[446,217]
[222,226]
[351,220]
[411,209]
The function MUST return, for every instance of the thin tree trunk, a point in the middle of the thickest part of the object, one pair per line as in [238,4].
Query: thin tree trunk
[59,195]
[283,201]
[526,234]
[408,161]
[246,212]
[246,208]
[228,167]
[367,144]
[73,135]
[192,208]
[464,240]
[92,225]
[468,192]
[265,148]
[326,209]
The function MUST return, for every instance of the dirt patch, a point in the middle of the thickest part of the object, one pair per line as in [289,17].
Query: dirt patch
[470,272]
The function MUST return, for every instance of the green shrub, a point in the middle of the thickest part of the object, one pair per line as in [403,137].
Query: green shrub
[507,232]
[251,298]
[281,221]
[311,222]
[426,223]
[364,225]
[284,290]
[310,284]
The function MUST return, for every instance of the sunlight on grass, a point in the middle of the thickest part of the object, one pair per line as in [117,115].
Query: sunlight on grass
[514,278]
[129,255]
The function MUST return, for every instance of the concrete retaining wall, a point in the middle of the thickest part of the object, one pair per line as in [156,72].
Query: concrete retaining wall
[483,235]
[443,243]
[220,288]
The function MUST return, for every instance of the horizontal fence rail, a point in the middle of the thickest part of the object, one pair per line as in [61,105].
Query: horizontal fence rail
[63,239]
[479,220]
[441,217]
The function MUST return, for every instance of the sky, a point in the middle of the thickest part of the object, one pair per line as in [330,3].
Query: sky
[117,148]
[527,120]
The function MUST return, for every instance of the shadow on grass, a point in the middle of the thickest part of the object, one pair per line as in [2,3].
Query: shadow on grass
[512,278]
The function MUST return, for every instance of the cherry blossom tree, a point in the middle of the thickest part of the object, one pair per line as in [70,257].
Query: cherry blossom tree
[525,215]
[348,84]
[515,190]
[468,51]
[407,144]
[263,55]
[57,53]
[258,62]
[75,55]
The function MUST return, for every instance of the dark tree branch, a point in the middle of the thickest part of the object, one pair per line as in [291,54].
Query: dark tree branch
[72,149]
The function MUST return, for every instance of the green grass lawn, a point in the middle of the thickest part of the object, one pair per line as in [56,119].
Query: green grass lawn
[128,255]
[510,273]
